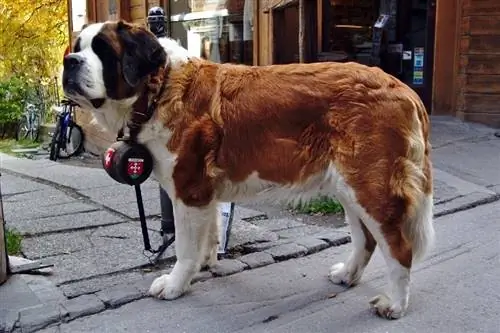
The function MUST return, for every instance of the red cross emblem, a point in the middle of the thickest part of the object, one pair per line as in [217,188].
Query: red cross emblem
[135,167]
[108,158]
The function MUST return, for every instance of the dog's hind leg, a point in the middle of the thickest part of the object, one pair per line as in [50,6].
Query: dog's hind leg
[192,227]
[363,245]
[212,243]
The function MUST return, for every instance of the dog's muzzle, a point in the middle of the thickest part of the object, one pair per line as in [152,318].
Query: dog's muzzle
[72,64]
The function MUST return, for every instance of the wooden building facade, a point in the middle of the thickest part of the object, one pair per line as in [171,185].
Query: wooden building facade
[446,50]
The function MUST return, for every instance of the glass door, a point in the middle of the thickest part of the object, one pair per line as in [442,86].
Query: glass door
[415,26]
[221,31]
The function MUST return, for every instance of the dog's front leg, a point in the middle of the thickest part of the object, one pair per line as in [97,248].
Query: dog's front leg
[192,226]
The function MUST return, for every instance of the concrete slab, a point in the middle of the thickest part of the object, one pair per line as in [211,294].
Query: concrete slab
[448,187]
[56,244]
[114,249]
[476,162]
[58,223]
[33,211]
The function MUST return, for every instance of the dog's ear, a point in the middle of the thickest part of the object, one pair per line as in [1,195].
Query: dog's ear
[142,53]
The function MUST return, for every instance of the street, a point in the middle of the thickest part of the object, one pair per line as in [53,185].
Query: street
[456,289]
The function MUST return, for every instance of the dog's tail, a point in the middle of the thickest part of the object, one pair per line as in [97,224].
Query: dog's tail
[412,181]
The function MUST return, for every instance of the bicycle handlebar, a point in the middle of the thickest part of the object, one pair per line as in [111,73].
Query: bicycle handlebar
[68,102]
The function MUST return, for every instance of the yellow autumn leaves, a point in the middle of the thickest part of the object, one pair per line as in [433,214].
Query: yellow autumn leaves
[33,37]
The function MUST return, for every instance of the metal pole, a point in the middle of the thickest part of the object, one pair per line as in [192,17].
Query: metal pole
[4,258]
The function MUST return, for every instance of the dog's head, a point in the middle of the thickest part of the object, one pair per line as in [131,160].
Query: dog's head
[110,62]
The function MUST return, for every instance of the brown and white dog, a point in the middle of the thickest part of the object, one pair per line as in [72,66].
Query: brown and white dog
[224,132]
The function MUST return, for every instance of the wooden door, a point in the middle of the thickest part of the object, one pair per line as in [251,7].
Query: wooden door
[286,34]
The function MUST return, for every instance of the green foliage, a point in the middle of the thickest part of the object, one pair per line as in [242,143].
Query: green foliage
[321,205]
[13,242]
[13,93]
[7,145]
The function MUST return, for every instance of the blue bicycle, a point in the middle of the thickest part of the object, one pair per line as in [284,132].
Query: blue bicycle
[67,140]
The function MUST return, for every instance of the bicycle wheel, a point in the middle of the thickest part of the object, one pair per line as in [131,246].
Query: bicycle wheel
[73,144]
[22,129]
[35,129]
[55,142]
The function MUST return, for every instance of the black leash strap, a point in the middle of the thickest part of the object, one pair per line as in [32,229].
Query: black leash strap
[144,228]
[142,217]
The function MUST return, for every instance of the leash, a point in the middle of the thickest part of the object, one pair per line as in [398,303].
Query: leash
[145,234]
[129,162]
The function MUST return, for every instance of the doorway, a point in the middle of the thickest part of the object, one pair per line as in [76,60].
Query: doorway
[416,21]
[286,32]
[403,48]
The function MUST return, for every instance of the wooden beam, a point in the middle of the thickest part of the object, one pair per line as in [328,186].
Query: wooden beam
[124,10]
[319,34]
[445,57]
[91,11]
[255,33]
[70,21]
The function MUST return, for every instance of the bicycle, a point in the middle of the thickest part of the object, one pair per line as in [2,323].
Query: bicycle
[67,140]
[29,125]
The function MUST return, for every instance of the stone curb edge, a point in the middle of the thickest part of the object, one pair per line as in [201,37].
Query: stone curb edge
[48,315]
[465,202]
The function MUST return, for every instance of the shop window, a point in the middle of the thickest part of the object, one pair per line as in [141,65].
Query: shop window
[348,27]
[78,14]
[218,30]
[112,10]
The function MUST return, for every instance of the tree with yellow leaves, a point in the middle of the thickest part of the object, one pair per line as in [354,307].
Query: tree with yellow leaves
[33,37]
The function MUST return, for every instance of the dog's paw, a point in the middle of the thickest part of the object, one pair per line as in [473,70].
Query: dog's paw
[384,307]
[211,258]
[339,274]
[164,288]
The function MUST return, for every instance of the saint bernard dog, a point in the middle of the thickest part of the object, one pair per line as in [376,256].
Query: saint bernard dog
[227,132]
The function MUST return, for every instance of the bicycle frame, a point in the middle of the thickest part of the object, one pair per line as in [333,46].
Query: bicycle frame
[65,119]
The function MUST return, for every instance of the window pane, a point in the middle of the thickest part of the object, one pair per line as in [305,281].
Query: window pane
[221,31]
[79,14]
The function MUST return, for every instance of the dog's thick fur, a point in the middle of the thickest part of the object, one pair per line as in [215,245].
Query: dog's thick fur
[225,132]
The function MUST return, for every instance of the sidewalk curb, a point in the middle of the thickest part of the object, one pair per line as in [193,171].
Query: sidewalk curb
[465,202]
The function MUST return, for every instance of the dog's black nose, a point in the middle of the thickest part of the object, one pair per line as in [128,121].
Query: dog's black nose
[72,61]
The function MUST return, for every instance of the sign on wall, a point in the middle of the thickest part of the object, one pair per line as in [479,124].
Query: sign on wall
[418,65]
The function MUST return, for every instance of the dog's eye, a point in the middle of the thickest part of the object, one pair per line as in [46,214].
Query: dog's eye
[102,48]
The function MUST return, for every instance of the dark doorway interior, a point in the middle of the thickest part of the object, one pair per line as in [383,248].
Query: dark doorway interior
[405,48]
[415,31]
[286,32]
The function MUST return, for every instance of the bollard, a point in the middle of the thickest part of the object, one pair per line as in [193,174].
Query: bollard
[167,213]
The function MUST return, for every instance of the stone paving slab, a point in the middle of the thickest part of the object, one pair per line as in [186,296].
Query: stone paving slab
[245,232]
[66,175]
[56,244]
[120,193]
[81,306]
[468,201]
[114,249]
[302,231]
[151,207]
[448,187]
[472,161]
[257,259]
[35,211]
[120,295]
[98,283]
[49,197]
[40,316]
[13,185]
[67,222]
